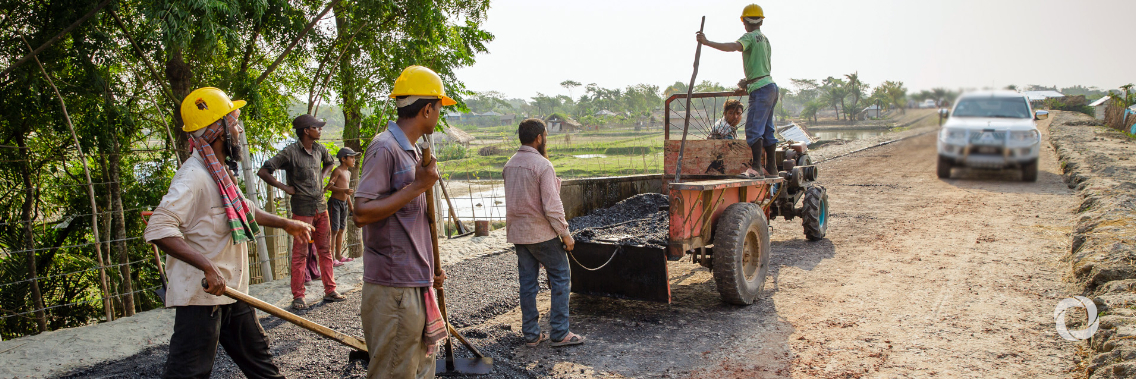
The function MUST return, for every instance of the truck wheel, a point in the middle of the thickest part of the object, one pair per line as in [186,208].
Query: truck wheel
[814,212]
[741,253]
[1029,172]
[944,168]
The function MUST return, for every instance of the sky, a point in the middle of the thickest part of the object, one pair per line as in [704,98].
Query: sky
[925,44]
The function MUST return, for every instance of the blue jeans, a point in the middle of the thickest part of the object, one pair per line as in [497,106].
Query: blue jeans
[555,260]
[759,118]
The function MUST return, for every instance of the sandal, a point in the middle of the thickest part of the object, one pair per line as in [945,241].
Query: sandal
[298,304]
[543,336]
[569,340]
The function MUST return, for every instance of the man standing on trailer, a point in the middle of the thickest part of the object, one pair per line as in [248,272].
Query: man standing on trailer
[535,224]
[202,224]
[307,163]
[762,91]
[399,310]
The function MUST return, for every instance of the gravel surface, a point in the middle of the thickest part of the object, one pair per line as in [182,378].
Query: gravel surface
[478,289]
[641,220]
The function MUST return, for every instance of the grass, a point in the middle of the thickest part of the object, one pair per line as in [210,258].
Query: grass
[627,152]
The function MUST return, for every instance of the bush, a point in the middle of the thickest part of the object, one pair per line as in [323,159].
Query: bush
[449,152]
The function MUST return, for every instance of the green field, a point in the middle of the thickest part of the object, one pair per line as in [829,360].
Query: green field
[609,152]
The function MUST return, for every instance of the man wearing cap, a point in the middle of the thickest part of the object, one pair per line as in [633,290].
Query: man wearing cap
[762,91]
[306,163]
[339,206]
[203,223]
[401,322]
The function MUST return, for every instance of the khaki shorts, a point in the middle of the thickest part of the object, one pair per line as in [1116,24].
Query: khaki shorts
[393,321]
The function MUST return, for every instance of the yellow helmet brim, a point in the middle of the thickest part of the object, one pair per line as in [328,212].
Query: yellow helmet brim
[447,101]
[238,104]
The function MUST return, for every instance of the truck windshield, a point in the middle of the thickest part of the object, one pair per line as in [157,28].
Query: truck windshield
[992,107]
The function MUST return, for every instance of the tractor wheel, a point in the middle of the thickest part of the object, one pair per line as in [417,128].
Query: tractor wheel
[814,212]
[944,168]
[741,253]
[1029,172]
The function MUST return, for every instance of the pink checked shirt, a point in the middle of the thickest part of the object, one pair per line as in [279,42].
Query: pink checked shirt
[533,211]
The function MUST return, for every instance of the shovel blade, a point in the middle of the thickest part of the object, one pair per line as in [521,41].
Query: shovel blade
[635,273]
[465,366]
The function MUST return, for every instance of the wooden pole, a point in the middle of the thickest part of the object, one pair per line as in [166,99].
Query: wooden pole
[427,156]
[349,341]
[90,187]
[689,93]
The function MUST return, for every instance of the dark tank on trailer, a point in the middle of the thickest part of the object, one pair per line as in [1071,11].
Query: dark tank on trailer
[718,219]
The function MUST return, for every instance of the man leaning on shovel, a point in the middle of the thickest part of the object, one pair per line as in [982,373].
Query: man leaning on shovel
[401,318]
[203,223]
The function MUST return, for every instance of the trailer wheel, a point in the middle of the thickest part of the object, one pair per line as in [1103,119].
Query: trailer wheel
[814,212]
[741,253]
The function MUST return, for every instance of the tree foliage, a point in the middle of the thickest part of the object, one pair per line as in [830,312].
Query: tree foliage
[122,74]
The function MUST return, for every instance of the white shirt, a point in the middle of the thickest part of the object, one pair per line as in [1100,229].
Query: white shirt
[192,210]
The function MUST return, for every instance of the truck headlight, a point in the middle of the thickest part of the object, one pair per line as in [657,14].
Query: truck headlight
[1024,136]
[953,135]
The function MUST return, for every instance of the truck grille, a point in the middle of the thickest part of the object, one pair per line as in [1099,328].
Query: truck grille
[987,138]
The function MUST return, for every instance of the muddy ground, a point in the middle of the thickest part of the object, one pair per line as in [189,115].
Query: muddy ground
[919,277]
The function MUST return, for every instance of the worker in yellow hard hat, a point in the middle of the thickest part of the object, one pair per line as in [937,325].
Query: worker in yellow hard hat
[204,224]
[401,322]
[762,90]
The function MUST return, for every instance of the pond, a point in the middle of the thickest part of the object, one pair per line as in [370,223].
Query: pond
[848,134]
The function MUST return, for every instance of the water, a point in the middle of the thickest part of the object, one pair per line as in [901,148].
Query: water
[589,156]
[848,134]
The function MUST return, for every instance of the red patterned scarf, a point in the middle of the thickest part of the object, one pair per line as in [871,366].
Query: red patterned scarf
[435,329]
[242,222]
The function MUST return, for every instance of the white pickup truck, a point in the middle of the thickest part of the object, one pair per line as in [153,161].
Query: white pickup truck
[991,130]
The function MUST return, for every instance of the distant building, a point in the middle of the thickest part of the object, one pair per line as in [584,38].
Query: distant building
[873,111]
[1040,96]
[558,123]
[1100,106]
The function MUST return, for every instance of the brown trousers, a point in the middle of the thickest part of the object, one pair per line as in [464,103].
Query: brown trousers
[393,321]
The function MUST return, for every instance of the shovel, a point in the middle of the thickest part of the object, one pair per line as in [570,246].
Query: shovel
[161,292]
[359,348]
[481,365]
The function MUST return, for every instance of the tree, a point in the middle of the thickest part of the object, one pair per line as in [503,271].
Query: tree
[833,91]
[677,87]
[854,88]
[569,85]
[895,95]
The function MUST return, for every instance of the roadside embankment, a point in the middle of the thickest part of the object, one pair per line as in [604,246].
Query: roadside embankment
[1098,163]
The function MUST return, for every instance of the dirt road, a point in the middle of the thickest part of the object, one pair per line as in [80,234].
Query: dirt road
[919,277]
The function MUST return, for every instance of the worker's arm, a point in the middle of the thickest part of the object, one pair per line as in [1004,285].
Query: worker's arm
[176,247]
[272,164]
[553,207]
[328,164]
[373,210]
[296,228]
[723,46]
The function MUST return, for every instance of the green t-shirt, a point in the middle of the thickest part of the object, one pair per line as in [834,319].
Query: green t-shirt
[755,58]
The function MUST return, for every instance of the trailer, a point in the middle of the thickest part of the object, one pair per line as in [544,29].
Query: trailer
[717,219]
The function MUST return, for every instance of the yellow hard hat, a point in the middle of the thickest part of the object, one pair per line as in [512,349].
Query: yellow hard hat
[205,106]
[421,81]
[752,10]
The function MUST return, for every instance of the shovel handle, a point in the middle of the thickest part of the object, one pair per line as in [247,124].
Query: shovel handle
[346,340]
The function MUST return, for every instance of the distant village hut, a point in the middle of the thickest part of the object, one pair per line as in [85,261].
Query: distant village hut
[1100,107]
[558,123]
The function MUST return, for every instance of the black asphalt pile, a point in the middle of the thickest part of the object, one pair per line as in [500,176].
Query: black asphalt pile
[1097,162]
[641,220]
[477,290]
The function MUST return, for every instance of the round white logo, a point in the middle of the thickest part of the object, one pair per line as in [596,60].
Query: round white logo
[1076,302]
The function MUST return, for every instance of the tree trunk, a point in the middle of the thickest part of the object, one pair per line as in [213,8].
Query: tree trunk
[29,241]
[352,121]
[118,223]
[180,75]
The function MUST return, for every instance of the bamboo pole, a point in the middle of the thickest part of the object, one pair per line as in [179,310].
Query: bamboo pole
[90,186]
